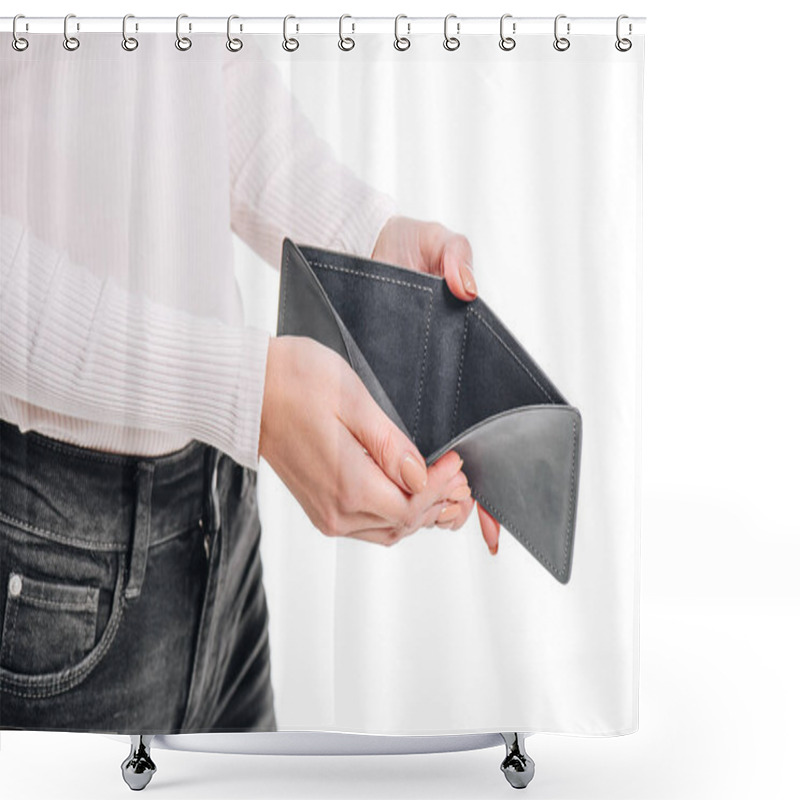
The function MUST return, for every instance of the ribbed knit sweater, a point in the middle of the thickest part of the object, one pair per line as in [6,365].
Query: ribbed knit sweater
[123,178]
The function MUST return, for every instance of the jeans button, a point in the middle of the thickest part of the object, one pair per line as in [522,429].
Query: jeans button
[14,584]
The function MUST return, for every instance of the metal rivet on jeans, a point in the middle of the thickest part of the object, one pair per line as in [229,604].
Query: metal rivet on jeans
[14,584]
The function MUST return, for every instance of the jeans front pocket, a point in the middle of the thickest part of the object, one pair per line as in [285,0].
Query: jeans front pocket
[47,626]
[60,609]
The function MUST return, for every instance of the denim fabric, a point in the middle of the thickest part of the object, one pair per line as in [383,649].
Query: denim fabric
[131,596]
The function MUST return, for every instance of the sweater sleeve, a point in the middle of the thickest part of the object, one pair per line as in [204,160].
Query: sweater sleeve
[77,344]
[285,179]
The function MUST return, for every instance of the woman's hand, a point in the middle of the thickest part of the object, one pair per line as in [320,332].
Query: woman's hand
[431,247]
[354,472]
[428,247]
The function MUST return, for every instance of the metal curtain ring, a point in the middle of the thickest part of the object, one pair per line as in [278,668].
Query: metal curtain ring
[623,45]
[401,42]
[128,42]
[18,42]
[70,42]
[561,43]
[289,44]
[506,42]
[346,42]
[181,42]
[451,42]
[233,44]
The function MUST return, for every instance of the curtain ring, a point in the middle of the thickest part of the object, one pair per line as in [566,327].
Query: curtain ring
[346,42]
[623,45]
[181,42]
[451,42]
[18,42]
[292,44]
[506,42]
[401,42]
[233,44]
[70,42]
[128,42]
[561,43]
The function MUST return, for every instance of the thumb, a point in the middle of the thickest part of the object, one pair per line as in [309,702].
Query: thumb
[389,447]
[456,267]
[449,255]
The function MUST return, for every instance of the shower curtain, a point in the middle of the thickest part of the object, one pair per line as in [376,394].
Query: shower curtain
[211,519]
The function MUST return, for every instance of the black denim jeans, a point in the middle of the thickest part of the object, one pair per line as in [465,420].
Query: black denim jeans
[131,596]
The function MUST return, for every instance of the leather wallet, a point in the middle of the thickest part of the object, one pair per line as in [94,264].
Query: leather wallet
[450,376]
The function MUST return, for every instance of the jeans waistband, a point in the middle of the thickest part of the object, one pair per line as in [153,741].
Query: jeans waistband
[105,501]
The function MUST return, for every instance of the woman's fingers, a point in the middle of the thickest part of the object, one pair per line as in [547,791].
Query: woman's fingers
[428,247]
[459,515]
[449,254]
[389,447]
[367,498]
[490,528]
[457,265]
[429,519]
[444,476]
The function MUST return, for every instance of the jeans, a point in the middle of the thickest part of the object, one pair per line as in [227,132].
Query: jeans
[131,595]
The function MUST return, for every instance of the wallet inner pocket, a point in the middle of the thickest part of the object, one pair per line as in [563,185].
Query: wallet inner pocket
[475,369]
[389,318]
[443,363]
[492,377]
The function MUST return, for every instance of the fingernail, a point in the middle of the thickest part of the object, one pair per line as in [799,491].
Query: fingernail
[413,473]
[461,493]
[494,552]
[467,279]
[448,513]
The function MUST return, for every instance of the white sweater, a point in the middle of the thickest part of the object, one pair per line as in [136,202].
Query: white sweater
[122,179]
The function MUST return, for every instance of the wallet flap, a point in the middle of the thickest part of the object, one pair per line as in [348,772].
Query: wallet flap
[304,308]
[523,466]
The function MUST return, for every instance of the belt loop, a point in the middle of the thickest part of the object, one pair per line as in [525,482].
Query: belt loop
[141,528]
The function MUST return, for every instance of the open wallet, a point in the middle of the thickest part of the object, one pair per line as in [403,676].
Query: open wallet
[451,376]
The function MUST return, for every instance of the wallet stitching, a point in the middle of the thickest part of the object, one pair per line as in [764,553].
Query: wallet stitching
[499,515]
[373,277]
[571,493]
[282,322]
[458,383]
[511,353]
[423,368]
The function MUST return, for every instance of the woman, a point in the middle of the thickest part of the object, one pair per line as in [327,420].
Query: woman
[135,403]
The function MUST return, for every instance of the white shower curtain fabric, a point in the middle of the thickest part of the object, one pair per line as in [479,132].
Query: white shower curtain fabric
[146,197]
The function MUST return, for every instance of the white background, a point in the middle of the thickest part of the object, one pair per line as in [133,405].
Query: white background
[719,699]
[487,143]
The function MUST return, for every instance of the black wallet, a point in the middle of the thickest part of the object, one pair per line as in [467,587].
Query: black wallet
[450,376]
